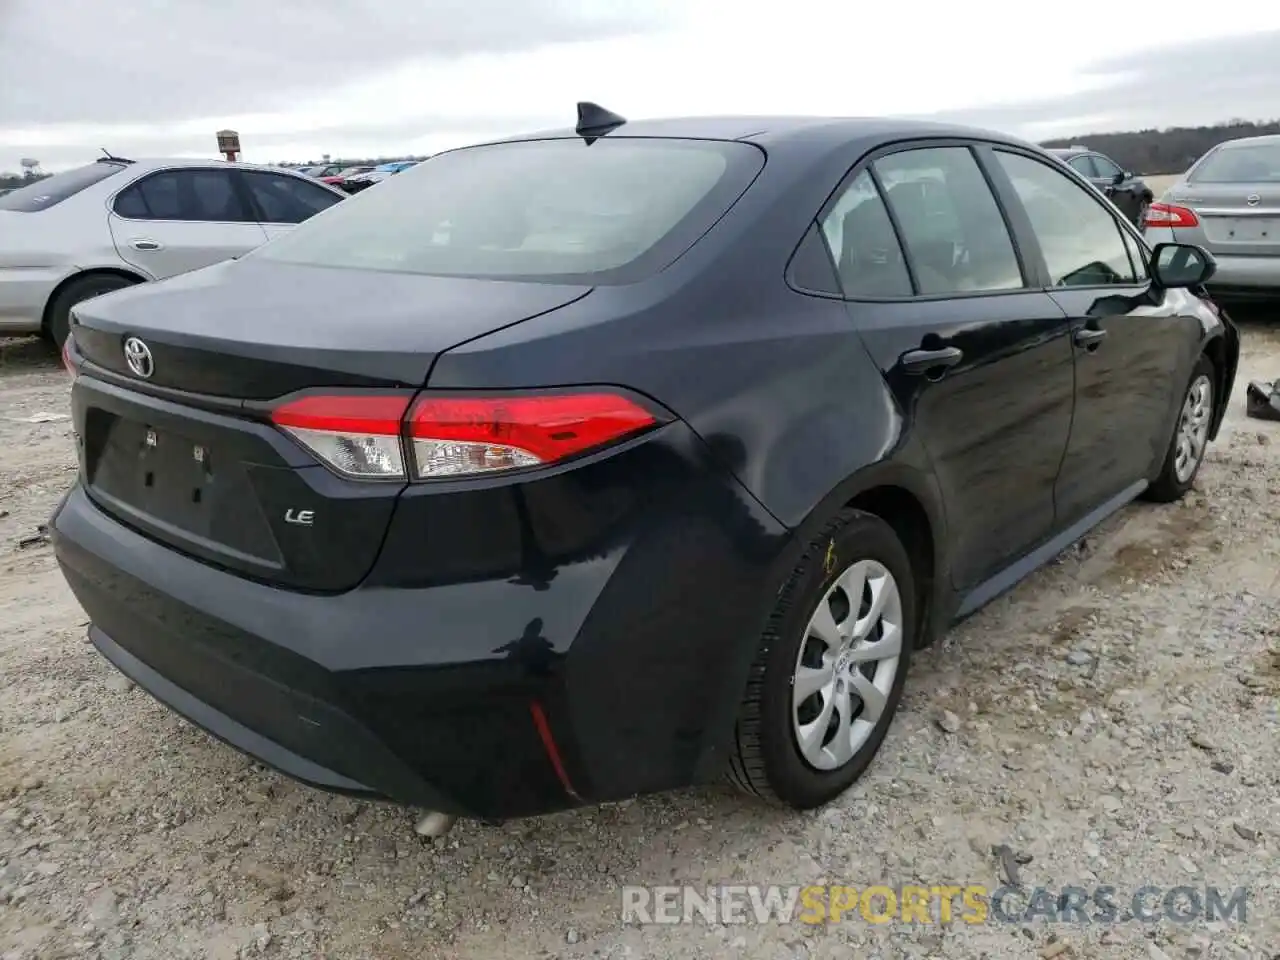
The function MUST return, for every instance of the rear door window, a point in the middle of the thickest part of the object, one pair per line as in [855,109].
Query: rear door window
[186,194]
[951,225]
[562,210]
[285,199]
[863,244]
[51,191]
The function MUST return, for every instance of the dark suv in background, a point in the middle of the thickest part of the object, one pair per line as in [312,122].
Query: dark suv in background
[1124,188]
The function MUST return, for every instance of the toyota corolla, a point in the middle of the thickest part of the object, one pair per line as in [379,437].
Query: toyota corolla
[606,461]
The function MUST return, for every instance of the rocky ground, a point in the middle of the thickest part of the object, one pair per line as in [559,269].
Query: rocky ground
[1114,721]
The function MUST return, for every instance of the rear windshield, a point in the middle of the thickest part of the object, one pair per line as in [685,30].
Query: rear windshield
[1245,163]
[50,191]
[553,210]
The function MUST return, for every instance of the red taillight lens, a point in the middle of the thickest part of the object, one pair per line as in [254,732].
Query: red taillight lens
[358,435]
[1169,215]
[459,436]
[67,362]
[366,436]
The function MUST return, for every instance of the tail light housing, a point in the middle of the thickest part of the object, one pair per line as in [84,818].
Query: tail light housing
[1171,215]
[391,436]
[68,363]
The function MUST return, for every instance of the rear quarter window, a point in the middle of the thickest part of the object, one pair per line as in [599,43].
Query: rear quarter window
[51,191]
[553,210]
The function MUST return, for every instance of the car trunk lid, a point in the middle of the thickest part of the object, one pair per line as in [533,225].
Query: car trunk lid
[1236,219]
[188,456]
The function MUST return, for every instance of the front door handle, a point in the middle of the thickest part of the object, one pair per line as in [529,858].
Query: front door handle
[924,361]
[1089,338]
[144,244]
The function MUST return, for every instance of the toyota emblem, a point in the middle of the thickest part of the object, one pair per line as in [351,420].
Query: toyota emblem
[138,355]
[1252,199]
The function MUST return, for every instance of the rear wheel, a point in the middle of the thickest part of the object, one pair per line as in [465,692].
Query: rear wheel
[78,291]
[831,666]
[1190,437]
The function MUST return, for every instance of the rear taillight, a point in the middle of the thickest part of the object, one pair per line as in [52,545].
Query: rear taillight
[1170,215]
[358,435]
[456,436]
[67,362]
[374,436]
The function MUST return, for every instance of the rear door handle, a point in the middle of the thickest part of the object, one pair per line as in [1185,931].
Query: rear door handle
[1089,339]
[922,361]
[144,244]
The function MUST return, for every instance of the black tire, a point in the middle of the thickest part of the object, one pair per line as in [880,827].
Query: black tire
[78,291]
[1167,487]
[766,761]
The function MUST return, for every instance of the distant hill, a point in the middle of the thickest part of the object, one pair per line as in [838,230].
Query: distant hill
[10,180]
[1165,151]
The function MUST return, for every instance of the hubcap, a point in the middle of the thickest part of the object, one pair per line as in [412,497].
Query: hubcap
[1193,428]
[846,666]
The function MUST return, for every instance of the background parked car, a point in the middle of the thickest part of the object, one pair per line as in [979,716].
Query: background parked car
[1229,203]
[1126,190]
[379,173]
[336,178]
[117,222]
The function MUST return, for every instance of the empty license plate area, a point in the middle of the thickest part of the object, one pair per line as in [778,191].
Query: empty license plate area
[162,473]
[1243,229]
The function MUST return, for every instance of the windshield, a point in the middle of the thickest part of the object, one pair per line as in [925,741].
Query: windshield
[1241,163]
[563,210]
[49,191]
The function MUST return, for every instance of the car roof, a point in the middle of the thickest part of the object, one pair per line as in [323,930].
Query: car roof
[1261,139]
[813,133]
[156,163]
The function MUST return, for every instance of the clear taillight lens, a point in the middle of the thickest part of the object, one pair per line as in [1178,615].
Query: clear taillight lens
[460,436]
[356,435]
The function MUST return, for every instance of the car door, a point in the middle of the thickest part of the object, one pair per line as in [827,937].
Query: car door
[1120,189]
[978,358]
[282,201]
[1133,350]
[182,218]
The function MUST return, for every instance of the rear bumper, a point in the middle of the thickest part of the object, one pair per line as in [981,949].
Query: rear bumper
[433,695]
[23,295]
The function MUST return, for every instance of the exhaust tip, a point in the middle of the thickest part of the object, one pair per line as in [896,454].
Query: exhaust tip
[434,824]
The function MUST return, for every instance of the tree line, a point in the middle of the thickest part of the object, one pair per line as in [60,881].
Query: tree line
[1171,150]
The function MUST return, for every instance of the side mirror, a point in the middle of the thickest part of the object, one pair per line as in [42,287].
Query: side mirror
[1120,178]
[1176,265]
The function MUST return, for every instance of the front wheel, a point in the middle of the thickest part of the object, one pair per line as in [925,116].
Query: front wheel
[831,665]
[1190,437]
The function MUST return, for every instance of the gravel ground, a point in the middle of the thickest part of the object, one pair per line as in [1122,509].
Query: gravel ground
[1113,721]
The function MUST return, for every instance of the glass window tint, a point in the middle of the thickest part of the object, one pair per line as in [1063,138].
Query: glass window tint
[1083,165]
[1138,256]
[1248,161]
[187,194]
[863,244]
[1106,169]
[950,223]
[43,194]
[1080,239]
[284,199]
[536,210]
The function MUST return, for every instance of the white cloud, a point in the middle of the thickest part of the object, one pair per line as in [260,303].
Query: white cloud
[804,56]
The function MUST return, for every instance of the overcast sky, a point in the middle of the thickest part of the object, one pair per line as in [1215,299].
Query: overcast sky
[300,78]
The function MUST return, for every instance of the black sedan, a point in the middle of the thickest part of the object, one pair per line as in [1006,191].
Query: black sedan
[1125,189]
[572,467]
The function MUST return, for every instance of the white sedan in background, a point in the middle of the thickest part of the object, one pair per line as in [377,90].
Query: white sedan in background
[115,222]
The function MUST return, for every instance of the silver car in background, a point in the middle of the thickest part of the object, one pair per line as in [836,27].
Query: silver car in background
[1229,203]
[115,222]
